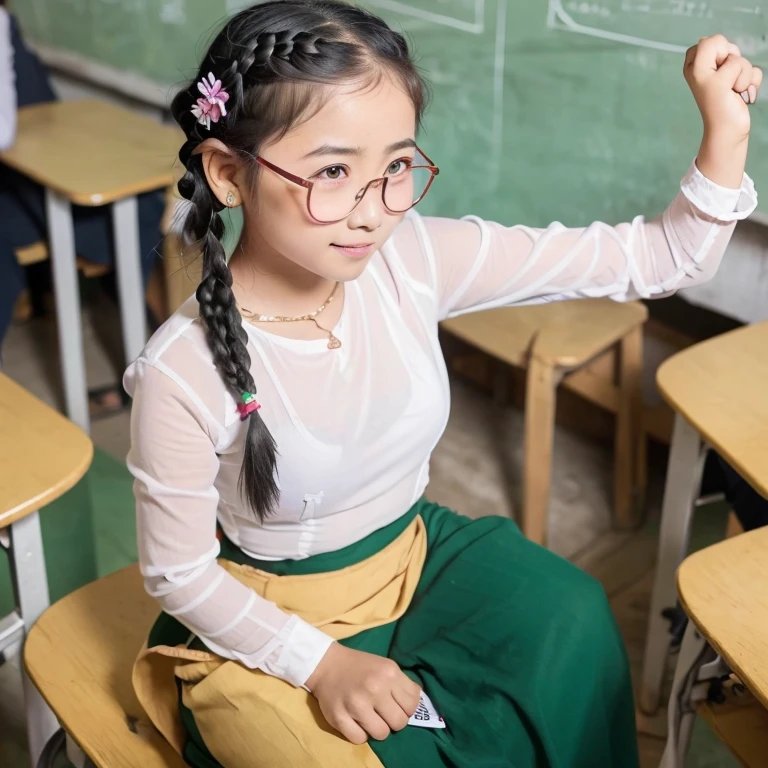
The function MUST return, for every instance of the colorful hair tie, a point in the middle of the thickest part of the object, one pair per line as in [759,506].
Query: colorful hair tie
[248,406]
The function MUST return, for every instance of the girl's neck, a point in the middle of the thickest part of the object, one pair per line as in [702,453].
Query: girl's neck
[269,284]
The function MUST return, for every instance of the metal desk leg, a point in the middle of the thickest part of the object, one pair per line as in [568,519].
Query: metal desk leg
[697,666]
[61,237]
[31,590]
[125,218]
[686,463]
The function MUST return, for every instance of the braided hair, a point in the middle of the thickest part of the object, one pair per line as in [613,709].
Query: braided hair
[270,59]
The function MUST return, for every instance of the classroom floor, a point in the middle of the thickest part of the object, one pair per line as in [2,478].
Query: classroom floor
[475,470]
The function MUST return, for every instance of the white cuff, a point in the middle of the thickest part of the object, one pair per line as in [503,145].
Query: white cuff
[303,649]
[720,203]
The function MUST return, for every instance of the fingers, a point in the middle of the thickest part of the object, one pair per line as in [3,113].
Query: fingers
[393,714]
[359,720]
[741,77]
[712,52]
[392,708]
[708,55]
[390,713]
[407,695]
[348,728]
[373,724]
[737,72]
[690,57]
[360,694]
[754,87]
[717,55]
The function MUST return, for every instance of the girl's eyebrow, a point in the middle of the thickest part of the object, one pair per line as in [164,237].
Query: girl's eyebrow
[330,149]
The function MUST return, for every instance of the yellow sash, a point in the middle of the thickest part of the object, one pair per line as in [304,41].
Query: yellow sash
[249,719]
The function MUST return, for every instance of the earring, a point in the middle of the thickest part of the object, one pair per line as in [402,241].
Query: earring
[230,198]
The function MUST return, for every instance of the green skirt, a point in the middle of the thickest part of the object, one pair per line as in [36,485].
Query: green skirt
[516,648]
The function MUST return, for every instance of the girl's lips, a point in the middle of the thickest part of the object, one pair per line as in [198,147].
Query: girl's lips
[357,251]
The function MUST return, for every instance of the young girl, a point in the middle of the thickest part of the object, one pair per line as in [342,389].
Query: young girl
[296,399]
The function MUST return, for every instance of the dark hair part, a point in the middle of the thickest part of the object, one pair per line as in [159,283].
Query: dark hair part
[270,59]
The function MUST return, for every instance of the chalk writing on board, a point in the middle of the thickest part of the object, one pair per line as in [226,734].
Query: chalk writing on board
[666,25]
[465,15]
[476,88]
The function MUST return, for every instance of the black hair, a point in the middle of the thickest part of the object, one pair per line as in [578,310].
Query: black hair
[271,58]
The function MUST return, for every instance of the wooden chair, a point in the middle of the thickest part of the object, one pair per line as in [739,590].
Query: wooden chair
[717,390]
[42,455]
[725,650]
[80,655]
[36,253]
[166,289]
[562,339]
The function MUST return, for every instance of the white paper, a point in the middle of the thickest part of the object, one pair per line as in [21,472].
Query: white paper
[426,715]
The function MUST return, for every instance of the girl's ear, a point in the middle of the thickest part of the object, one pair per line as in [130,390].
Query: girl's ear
[223,170]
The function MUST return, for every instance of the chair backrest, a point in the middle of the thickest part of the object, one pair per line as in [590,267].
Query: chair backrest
[80,655]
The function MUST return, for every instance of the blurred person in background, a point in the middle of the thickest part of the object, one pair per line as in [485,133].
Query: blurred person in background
[24,80]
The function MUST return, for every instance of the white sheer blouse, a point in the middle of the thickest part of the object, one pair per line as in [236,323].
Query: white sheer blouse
[355,427]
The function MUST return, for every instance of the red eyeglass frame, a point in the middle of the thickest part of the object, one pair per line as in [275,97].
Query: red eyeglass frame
[308,185]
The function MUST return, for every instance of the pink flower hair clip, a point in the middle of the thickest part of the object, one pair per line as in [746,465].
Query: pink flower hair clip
[210,109]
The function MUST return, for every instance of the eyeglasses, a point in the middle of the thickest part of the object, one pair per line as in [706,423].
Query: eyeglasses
[332,199]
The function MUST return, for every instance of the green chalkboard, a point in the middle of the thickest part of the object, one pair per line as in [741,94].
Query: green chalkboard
[543,109]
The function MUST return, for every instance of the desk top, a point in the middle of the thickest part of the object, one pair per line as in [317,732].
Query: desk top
[723,590]
[93,152]
[42,454]
[720,386]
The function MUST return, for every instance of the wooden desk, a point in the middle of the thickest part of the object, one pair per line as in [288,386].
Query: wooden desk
[93,153]
[729,407]
[719,392]
[42,455]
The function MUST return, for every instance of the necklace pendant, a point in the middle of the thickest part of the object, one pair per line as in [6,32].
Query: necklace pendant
[333,342]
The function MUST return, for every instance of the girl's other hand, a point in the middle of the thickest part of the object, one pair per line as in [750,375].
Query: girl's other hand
[363,695]
[723,82]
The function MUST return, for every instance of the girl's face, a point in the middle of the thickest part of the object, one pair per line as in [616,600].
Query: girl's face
[358,135]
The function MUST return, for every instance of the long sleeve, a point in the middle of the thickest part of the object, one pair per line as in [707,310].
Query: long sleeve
[475,264]
[7,84]
[174,462]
